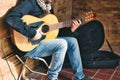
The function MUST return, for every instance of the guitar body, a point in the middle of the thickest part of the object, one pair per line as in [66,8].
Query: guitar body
[22,41]
[48,32]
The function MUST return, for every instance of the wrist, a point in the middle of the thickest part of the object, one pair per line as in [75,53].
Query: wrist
[37,36]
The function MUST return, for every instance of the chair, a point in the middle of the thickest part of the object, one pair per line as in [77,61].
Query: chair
[23,60]
[27,67]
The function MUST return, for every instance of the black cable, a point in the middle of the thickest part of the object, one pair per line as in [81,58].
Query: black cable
[6,58]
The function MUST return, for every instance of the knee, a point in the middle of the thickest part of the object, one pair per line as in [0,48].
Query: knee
[61,49]
[63,43]
[73,40]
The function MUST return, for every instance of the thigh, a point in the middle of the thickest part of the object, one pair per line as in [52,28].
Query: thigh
[46,48]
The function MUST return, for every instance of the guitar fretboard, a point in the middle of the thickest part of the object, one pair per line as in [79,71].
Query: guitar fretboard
[65,24]
[89,16]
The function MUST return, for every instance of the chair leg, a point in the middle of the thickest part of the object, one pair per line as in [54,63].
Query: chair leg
[26,66]
[41,59]
[22,73]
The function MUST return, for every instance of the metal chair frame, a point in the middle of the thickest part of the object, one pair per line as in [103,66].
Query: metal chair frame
[24,62]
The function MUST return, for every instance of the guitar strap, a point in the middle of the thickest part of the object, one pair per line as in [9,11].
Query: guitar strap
[109,45]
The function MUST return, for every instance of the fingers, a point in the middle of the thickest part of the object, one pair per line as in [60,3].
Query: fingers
[76,23]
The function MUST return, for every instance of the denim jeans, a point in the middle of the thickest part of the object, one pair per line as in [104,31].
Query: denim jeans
[58,48]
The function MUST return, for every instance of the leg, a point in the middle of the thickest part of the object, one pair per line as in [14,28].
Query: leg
[55,47]
[75,58]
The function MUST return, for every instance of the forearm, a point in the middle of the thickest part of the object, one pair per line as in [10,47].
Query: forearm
[15,21]
[20,26]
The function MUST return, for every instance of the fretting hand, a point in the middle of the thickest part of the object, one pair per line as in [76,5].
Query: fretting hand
[75,25]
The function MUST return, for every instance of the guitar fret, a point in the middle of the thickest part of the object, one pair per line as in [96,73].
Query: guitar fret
[67,23]
[60,25]
[82,20]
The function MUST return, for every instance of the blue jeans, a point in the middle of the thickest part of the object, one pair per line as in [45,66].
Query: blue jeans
[58,48]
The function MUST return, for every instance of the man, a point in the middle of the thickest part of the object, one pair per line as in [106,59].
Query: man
[55,47]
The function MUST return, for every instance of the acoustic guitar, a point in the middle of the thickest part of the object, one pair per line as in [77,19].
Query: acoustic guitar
[48,26]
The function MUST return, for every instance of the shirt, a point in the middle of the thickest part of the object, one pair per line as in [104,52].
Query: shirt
[25,7]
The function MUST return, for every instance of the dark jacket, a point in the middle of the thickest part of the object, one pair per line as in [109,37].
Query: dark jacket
[25,7]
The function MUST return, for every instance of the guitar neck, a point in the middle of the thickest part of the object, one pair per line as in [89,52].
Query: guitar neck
[64,24]
[89,16]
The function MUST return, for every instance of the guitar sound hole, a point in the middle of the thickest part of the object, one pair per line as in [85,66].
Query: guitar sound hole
[45,28]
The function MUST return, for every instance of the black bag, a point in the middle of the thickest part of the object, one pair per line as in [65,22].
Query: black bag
[91,37]
[100,59]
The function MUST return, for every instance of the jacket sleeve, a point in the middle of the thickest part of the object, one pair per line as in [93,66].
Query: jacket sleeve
[15,21]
